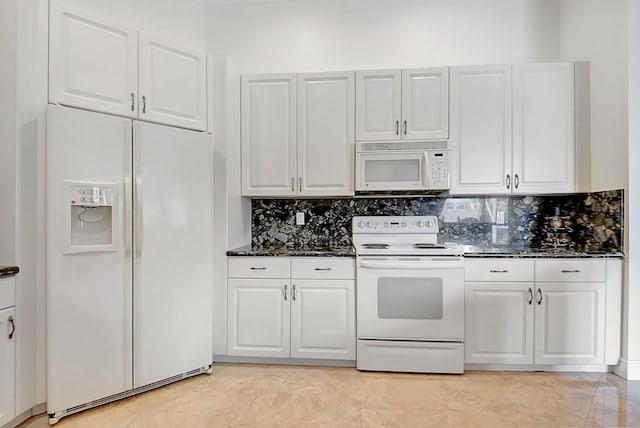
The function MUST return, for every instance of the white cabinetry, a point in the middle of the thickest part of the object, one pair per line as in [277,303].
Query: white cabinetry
[310,316]
[520,128]
[297,134]
[410,104]
[7,351]
[113,68]
[570,315]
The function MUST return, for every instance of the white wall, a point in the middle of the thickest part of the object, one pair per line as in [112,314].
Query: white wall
[302,35]
[596,31]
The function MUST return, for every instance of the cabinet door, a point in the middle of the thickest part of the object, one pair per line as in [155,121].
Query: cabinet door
[258,311]
[325,134]
[543,128]
[378,104]
[7,366]
[481,129]
[425,103]
[93,63]
[269,135]
[569,323]
[173,85]
[499,323]
[323,319]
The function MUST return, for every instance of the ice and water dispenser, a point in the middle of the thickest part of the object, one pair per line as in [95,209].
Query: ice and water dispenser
[91,217]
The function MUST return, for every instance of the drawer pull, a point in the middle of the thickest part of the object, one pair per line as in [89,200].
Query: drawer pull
[570,270]
[322,269]
[258,268]
[499,271]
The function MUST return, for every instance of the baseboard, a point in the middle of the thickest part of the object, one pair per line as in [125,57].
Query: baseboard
[629,370]
[596,368]
[284,361]
[34,411]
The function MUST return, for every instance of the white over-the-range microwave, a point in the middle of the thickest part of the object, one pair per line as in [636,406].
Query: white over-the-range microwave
[415,165]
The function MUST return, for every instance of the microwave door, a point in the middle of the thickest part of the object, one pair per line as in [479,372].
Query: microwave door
[391,171]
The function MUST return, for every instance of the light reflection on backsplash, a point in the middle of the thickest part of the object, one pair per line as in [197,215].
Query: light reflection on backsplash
[520,222]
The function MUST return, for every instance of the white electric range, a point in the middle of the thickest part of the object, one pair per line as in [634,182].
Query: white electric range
[410,296]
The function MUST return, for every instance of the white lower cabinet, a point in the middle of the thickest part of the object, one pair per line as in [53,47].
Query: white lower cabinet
[542,312]
[7,351]
[307,311]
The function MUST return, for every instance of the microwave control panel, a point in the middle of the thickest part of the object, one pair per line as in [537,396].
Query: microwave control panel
[438,170]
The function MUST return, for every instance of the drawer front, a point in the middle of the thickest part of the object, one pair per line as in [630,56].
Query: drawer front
[258,267]
[571,270]
[499,270]
[323,268]
[7,292]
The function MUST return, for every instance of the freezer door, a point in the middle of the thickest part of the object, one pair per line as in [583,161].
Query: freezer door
[173,256]
[89,294]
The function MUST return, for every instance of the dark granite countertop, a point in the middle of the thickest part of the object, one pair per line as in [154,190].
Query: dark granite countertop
[248,250]
[469,251]
[7,271]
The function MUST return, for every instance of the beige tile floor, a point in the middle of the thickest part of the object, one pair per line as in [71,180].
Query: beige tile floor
[238,395]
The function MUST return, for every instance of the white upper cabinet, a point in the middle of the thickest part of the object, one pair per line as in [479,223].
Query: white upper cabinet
[425,103]
[172,84]
[480,129]
[543,128]
[109,67]
[520,129]
[378,105]
[269,135]
[297,134]
[402,104]
[93,62]
[325,134]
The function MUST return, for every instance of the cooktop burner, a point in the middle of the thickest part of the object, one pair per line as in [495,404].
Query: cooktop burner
[376,246]
[424,245]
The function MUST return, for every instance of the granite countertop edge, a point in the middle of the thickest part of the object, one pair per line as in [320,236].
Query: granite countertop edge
[8,271]
[248,251]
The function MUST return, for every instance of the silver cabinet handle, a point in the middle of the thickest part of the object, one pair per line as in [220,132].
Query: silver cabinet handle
[258,268]
[405,127]
[322,269]
[539,296]
[571,271]
[397,127]
[144,104]
[516,181]
[285,292]
[499,271]
[300,184]
[13,328]
[293,292]
[530,296]
[508,181]
[293,184]
[133,101]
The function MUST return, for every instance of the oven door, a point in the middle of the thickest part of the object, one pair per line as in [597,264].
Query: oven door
[391,171]
[410,298]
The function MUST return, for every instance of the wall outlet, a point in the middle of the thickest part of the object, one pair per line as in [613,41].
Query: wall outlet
[300,219]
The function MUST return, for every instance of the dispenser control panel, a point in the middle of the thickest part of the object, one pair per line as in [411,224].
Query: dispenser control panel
[91,195]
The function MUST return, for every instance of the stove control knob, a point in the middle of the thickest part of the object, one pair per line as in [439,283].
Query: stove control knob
[419,223]
[361,224]
[369,224]
[427,223]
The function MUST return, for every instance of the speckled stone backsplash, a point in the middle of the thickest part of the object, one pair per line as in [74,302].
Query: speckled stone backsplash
[584,222]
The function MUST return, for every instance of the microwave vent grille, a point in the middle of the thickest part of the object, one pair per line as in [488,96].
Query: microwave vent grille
[403,145]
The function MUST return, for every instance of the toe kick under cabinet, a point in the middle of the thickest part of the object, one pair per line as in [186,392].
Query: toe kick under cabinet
[301,307]
[542,314]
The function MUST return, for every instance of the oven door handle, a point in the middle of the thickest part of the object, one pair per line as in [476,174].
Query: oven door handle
[412,265]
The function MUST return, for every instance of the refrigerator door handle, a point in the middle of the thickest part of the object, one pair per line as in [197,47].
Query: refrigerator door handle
[128,215]
[138,216]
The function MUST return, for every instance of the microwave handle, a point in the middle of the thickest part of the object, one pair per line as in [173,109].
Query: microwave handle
[425,170]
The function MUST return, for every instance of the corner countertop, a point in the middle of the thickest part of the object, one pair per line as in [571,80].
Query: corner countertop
[8,271]
[248,250]
[469,251]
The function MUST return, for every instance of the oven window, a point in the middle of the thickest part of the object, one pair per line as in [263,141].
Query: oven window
[410,298]
[390,171]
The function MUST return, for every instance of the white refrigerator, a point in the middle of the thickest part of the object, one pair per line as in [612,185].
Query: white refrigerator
[129,257]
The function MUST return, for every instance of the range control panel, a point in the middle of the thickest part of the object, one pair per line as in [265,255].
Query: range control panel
[395,224]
